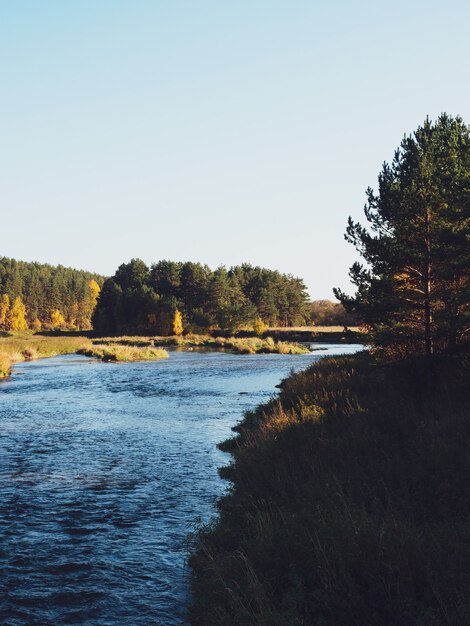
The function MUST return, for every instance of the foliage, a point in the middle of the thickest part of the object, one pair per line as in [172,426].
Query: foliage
[4,310]
[36,325]
[415,289]
[141,299]
[178,323]
[94,289]
[16,318]
[57,319]
[327,313]
[348,502]
[43,288]
[259,326]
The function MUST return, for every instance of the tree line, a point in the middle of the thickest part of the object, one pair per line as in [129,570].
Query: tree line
[413,291]
[150,299]
[40,296]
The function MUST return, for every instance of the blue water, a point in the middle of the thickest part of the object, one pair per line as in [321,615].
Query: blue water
[104,471]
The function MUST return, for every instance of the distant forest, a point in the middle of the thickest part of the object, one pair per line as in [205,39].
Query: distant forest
[142,299]
[138,298]
[327,313]
[40,296]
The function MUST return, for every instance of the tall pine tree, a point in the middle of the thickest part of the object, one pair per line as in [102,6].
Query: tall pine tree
[415,287]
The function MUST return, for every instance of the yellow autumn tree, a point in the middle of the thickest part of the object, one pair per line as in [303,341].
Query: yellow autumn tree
[57,319]
[259,326]
[36,325]
[4,310]
[94,293]
[178,323]
[17,316]
[72,320]
[87,305]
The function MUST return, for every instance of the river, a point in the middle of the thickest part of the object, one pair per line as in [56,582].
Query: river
[104,471]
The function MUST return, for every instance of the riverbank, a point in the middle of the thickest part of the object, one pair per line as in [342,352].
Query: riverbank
[18,347]
[123,354]
[319,334]
[349,504]
[237,345]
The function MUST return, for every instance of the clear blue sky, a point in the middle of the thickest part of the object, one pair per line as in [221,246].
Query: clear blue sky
[212,130]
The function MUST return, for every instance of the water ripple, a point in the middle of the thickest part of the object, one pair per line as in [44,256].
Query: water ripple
[104,470]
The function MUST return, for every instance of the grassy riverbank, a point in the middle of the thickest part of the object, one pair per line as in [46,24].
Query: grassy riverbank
[319,334]
[121,353]
[18,347]
[350,502]
[238,345]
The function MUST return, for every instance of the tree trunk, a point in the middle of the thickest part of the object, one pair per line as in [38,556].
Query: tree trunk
[428,338]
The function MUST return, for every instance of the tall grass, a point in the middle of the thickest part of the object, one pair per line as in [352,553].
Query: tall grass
[26,347]
[117,352]
[350,502]
[248,345]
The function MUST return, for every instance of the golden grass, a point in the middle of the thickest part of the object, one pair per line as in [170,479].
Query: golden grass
[248,345]
[26,347]
[124,353]
[314,329]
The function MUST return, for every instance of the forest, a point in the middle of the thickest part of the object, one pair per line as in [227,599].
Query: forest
[39,296]
[171,296]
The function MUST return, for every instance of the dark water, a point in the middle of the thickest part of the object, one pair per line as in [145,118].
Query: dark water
[105,469]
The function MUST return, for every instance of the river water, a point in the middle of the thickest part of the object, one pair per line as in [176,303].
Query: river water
[104,471]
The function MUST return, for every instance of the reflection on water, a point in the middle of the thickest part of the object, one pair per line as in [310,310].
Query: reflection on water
[105,469]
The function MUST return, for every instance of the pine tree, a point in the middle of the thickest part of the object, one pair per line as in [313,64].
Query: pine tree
[415,289]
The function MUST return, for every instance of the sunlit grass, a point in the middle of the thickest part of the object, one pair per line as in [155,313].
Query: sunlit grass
[124,353]
[249,345]
[314,329]
[27,346]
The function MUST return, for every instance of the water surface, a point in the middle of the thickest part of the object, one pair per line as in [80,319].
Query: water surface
[105,469]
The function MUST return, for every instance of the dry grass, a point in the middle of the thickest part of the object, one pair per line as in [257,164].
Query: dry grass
[249,345]
[256,345]
[26,347]
[313,329]
[124,353]
[349,502]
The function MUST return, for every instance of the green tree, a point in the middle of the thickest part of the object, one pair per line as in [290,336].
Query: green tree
[414,289]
